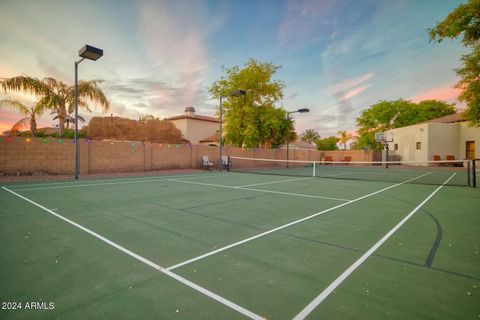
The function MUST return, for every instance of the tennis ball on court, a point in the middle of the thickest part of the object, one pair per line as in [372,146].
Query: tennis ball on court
[177,311]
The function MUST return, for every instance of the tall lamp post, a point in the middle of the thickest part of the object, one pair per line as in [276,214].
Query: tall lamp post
[302,110]
[91,53]
[235,93]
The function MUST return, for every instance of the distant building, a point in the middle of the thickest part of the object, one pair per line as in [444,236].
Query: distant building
[196,128]
[299,145]
[448,135]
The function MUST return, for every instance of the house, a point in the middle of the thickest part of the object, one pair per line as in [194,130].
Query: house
[447,135]
[299,145]
[197,128]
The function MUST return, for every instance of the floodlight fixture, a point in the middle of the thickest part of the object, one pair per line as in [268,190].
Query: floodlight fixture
[91,53]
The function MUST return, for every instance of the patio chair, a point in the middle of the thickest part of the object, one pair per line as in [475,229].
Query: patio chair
[328,159]
[226,163]
[347,159]
[436,157]
[206,163]
[452,157]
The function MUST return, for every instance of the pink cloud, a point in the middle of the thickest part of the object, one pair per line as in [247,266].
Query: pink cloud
[350,83]
[444,93]
[352,93]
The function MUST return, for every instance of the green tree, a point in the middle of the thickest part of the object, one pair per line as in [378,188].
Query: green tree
[344,138]
[329,143]
[387,115]
[465,19]
[310,136]
[30,113]
[57,95]
[253,120]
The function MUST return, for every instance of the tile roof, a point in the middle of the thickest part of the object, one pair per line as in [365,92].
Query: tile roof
[450,118]
[213,138]
[195,117]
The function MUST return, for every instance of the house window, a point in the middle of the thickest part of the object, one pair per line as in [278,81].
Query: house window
[419,146]
[395,146]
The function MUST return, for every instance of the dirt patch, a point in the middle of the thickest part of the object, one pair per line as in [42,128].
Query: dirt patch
[117,128]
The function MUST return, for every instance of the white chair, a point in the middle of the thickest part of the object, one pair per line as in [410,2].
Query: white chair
[226,163]
[206,163]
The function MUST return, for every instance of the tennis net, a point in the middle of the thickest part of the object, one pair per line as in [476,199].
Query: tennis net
[418,172]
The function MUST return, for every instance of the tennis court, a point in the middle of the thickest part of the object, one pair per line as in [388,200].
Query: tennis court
[235,245]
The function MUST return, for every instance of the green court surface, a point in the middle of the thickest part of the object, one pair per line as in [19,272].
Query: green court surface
[225,245]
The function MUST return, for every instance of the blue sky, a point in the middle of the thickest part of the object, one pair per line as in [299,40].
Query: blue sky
[337,57]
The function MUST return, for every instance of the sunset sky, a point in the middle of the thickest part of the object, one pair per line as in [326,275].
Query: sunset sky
[337,57]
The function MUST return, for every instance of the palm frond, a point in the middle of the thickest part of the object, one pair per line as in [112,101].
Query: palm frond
[92,91]
[25,83]
[23,123]
[16,105]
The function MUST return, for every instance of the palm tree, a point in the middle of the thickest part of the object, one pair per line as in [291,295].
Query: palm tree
[30,114]
[69,119]
[310,136]
[147,117]
[344,137]
[59,96]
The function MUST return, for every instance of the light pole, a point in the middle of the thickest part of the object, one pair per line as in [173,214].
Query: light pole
[91,53]
[302,110]
[235,93]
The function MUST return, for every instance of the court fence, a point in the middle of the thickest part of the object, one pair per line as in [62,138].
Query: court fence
[32,156]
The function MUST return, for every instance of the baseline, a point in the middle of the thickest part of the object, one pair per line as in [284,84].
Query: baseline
[325,293]
[151,264]
[287,225]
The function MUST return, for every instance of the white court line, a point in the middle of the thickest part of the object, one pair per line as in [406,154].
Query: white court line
[258,190]
[273,182]
[336,174]
[287,225]
[113,182]
[325,293]
[186,282]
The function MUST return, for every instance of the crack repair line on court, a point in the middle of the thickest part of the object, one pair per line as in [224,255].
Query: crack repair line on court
[259,190]
[288,225]
[165,271]
[327,291]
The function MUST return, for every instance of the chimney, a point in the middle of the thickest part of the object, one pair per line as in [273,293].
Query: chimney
[190,111]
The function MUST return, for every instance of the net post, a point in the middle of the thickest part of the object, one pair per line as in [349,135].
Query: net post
[386,155]
[474,174]
[313,168]
[469,172]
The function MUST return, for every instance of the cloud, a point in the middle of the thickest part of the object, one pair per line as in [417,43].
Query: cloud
[302,18]
[349,83]
[352,93]
[443,93]
[174,42]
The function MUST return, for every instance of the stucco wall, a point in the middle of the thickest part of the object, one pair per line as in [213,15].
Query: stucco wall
[467,133]
[406,138]
[443,140]
[195,130]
